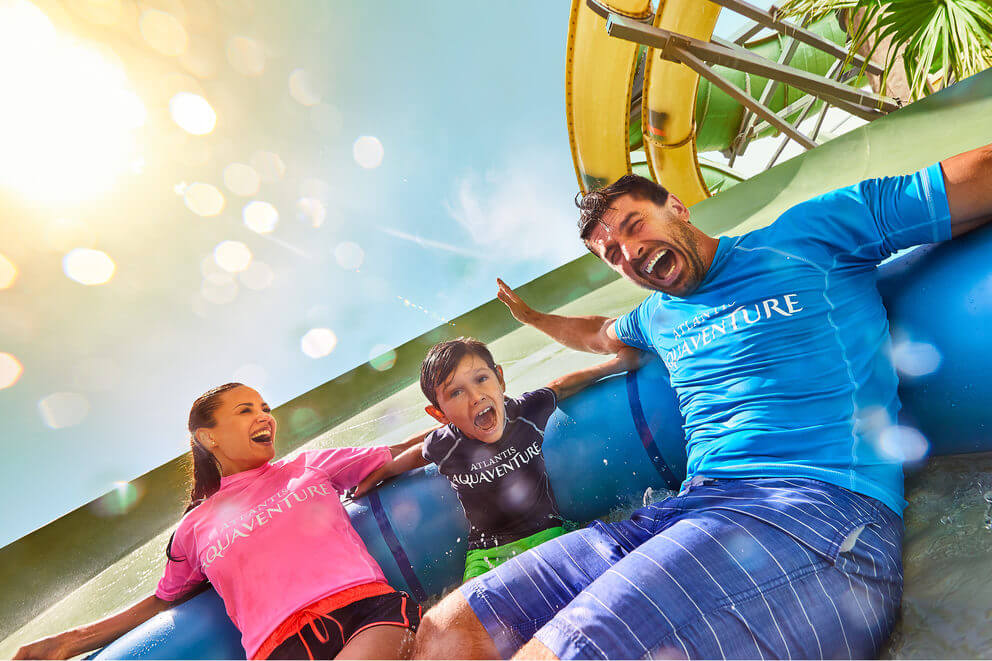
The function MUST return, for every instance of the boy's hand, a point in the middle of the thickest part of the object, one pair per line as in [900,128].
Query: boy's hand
[370,482]
[630,359]
[522,312]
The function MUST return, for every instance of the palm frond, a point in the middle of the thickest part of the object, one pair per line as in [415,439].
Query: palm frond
[946,39]
[814,10]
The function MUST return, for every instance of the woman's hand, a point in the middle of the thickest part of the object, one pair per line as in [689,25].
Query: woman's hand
[54,647]
[94,636]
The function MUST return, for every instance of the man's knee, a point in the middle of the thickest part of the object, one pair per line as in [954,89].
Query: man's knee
[535,649]
[451,630]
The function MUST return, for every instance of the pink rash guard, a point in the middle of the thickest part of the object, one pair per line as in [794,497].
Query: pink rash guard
[275,539]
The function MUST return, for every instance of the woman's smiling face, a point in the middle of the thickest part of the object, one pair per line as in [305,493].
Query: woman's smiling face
[244,431]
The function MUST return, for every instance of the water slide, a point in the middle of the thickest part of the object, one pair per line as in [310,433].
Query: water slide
[680,115]
[948,306]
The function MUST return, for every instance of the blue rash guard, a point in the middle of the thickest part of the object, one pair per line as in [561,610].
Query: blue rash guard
[780,359]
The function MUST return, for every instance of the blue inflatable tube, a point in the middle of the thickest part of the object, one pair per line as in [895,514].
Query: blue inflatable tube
[606,445]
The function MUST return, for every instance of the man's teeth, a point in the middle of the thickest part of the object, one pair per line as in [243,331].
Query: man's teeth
[650,265]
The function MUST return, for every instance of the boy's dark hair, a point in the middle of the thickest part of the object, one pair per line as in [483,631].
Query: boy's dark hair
[594,204]
[442,360]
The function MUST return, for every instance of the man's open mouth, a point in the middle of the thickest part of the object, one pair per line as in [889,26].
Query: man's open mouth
[262,436]
[485,419]
[662,266]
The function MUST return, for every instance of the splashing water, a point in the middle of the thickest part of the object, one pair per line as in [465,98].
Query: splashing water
[988,510]
[410,304]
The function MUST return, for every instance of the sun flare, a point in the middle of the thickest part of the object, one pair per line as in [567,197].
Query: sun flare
[68,120]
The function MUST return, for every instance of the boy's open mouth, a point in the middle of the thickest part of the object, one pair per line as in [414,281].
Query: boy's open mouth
[263,436]
[486,419]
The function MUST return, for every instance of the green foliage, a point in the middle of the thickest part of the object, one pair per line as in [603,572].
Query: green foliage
[952,38]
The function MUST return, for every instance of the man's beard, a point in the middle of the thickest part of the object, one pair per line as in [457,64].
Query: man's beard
[686,243]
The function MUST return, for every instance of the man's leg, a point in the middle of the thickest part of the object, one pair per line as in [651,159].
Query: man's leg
[451,630]
[387,641]
[494,614]
[722,584]
[536,651]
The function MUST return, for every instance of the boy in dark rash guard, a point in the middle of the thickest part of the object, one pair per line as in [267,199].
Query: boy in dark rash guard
[489,447]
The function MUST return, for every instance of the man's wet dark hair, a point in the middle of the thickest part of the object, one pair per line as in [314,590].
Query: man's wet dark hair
[442,360]
[594,204]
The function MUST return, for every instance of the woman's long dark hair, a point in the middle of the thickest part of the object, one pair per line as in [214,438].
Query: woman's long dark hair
[204,469]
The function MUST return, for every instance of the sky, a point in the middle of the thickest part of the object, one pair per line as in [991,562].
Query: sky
[400,154]
[213,190]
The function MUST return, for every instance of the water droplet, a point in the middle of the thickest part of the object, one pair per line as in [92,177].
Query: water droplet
[63,409]
[88,267]
[246,56]
[260,216]
[163,32]
[10,370]
[368,152]
[192,113]
[318,342]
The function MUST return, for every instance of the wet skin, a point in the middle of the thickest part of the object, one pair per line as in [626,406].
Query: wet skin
[243,434]
[472,399]
[655,247]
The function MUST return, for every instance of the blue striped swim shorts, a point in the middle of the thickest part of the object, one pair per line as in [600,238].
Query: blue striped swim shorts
[746,568]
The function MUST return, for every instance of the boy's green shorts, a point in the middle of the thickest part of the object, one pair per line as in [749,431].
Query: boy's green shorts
[479,561]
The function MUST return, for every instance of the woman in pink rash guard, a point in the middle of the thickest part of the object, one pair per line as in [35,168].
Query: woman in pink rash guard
[274,541]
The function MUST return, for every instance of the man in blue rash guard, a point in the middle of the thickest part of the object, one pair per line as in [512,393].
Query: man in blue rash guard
[785,539]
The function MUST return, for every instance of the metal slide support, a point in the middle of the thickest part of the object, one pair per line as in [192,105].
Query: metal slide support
[836,68]
[738,95]
[802,103]
[746,34]
[769,20]
[678,48]
[741,140]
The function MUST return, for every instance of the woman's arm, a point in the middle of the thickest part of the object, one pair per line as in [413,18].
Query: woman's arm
[626,360]
[95,635]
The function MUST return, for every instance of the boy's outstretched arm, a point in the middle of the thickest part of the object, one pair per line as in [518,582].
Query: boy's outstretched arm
[626,360]
[592,334]
[407,456]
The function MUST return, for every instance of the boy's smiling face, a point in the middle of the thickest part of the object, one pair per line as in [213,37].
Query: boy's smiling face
[471,398]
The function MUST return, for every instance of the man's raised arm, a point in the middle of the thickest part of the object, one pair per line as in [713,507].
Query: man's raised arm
[968,178]
[592,334]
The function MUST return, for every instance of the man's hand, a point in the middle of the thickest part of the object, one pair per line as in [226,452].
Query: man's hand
[592,334]
[522,312]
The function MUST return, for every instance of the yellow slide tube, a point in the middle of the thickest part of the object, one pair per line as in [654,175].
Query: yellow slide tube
[668,106]
[598,79]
